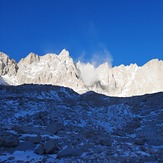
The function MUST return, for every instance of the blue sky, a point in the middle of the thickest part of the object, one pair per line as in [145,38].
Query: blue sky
[131,31]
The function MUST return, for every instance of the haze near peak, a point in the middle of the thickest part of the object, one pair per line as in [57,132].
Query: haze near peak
[91,71]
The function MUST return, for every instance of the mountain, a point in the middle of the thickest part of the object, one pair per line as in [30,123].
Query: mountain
[61,70]
[49,69]
[45,123]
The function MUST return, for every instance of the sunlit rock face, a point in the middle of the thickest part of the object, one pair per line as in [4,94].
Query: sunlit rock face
[7,65]
[126,80]
[61,70]
[50,69]
[145,79]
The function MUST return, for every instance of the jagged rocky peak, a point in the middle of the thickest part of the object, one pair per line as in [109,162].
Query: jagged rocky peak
[49,69]
[132,66]
[65,57]
[7,65]
[153,63]
[4,56]
[104,68]
[64,54]
[153,69]
[49,57]
[105,65]
[29,59]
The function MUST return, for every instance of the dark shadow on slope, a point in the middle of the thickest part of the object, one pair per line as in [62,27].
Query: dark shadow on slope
[73,126]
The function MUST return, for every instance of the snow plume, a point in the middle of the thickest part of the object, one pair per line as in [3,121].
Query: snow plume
[88,73]
[95,71]
[100,57]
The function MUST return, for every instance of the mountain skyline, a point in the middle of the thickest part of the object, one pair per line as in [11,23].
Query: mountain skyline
[61,70]
[94,61]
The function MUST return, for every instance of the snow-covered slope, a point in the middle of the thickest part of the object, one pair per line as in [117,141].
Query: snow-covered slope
[61,70]
[2,82]
[43,123]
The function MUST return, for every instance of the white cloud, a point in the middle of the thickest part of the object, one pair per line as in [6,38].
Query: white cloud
[92,72]
[88,73]
[100,57]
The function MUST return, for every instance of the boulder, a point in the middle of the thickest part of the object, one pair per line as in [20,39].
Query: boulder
[69,152]
[51,147]
[10,141]
[53,129]
[139,141]
[36,139]
[40,149]
[23,146]
[119,132]
[105,141]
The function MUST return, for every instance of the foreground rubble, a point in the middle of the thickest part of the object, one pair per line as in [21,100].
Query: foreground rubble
[43,123]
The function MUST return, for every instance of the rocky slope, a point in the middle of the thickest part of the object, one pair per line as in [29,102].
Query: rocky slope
[55,124]
[61,70]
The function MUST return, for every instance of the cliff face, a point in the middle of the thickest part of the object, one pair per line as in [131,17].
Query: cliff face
[145,79]
[50,69]
[128,80]
[7,65]
[61,70]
